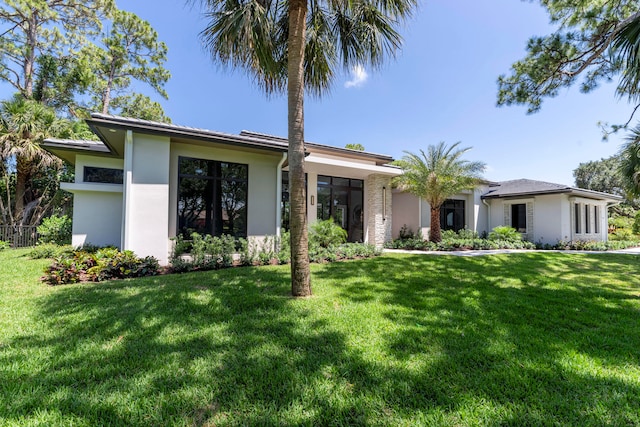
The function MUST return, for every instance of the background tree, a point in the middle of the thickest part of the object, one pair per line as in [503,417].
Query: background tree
[358,147]
[436,176]
[296,45]
[130,50]
[601,175]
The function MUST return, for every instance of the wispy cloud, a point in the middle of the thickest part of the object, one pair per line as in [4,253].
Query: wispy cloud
[358,77]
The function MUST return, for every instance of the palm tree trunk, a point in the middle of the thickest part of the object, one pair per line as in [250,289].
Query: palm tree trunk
[300,273]
[22,175]
[434,233]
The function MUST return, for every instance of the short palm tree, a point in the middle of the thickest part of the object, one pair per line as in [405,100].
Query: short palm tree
[293,45]
[437,175]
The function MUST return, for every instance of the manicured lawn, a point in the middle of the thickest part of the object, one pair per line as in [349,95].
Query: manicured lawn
[522,339]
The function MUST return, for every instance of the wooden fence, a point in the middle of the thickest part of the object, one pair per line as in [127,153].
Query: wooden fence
[19,236]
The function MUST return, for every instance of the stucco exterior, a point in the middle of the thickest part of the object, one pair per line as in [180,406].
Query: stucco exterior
[141,213]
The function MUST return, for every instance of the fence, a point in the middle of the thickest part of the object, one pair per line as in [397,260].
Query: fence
[19,236]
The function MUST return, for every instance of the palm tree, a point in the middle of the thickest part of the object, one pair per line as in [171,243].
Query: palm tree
[630,162]
[24,124]
[437,175]
[293,46]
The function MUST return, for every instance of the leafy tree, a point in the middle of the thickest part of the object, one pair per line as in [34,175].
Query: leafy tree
[131,51]
[587,47]
[294,45]
[601,175]
[358,147]
[437,175]
[139,106]
[46,30]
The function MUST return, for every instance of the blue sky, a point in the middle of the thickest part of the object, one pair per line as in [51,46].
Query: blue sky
[442,87]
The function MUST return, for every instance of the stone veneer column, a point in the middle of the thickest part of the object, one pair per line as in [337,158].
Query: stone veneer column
[378,228]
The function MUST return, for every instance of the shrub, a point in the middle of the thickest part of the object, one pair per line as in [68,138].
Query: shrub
[207,253]
[405,233]
[4,245]
[326,233]
[55,229]
[505,233]
[49,250]
[105,264]
[284,248]
[62,271]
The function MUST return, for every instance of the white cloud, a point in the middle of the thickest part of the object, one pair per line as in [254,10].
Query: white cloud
[358,77]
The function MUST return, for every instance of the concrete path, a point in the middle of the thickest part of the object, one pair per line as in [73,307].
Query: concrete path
[632,251]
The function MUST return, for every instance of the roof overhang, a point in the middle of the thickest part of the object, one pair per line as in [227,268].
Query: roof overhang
[338,167]
[579,192]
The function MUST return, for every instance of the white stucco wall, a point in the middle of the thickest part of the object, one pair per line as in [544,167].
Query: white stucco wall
[405,212]
[262,198]
[97,217]
[97,207]
[146,209]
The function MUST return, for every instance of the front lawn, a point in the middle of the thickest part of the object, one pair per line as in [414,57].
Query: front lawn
[520,339]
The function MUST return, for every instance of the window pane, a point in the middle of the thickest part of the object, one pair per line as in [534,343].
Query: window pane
[324,203]
[519,217]
[341,182]
[103,175]
[596,220]
[576,216]
[357,183]
[233,171]
[324,180]
[194,206]
[197,167]
[587,219]
[233,208]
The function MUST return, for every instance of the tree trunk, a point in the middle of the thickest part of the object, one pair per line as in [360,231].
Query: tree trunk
[23,169]
[30,57]
[434,233]
[300,274]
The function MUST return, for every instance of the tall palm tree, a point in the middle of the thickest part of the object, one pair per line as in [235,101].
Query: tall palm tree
[293,46]
[24,124]
[437,175]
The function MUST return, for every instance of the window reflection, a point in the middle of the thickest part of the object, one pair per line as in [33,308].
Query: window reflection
[212,197]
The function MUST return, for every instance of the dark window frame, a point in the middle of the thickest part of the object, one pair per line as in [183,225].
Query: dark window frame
[215,179]
[352,217]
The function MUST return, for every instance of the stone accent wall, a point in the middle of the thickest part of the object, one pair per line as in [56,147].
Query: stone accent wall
[378,227]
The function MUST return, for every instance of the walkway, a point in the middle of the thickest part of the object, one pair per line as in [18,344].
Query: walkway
[632,251]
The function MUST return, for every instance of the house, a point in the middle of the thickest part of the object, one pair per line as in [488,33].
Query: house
[145,182]
[543,212]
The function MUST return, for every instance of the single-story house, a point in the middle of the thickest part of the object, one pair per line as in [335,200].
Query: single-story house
[543,212]
[145,182]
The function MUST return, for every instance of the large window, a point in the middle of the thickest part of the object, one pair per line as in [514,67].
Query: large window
[519,217]
[342,199]
[452,215]
[212,197]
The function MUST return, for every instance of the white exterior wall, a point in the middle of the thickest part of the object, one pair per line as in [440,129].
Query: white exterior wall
[97,207]
[553,218]
[146,206]
[97,217]
[406,211]
[262,200]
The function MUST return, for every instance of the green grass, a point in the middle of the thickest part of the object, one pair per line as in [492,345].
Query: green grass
[522,339]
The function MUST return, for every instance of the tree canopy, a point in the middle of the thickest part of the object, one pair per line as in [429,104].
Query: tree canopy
[602,175]
[586,48]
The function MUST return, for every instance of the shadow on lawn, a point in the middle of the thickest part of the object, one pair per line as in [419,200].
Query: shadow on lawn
[231,347]
[529,332]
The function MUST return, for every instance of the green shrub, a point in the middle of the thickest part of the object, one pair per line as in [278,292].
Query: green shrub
[49,250]
[505,233]
[55,229]
[326,233]
[4,245]
[284,248]
[105,264]
[62,271]
[405,233]
[206,253]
